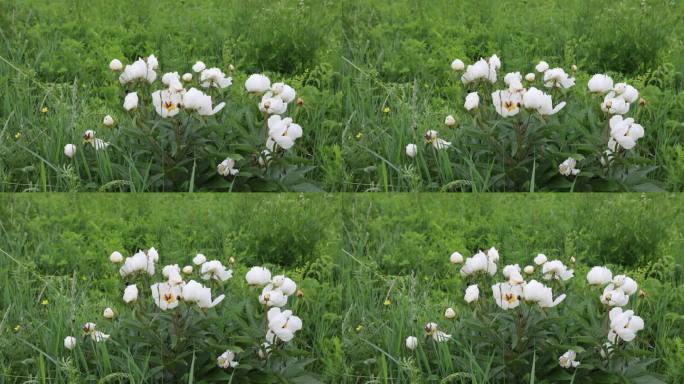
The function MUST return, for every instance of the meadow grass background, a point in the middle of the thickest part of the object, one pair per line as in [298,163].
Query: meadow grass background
[348,253]
[348,59]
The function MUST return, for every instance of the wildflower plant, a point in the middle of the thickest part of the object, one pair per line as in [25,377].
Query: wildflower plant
[194,128]
[190,322]
[539,320]
[541,128]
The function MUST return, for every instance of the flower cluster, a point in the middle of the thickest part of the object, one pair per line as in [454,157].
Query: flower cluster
[275,98]
[617,102]
[508,102]
[509,293]
[282,324]
[616,293]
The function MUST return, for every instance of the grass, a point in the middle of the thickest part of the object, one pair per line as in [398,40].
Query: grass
[374,269]
[350,61]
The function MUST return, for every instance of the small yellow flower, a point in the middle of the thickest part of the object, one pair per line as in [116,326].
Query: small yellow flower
[44,109]
[45,302]
[359,135]
[17,135]
[386,110]
[17,328]
[359,328]
[387,302]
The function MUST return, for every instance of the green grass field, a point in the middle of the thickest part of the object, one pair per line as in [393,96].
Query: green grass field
[373,270]
[373,76]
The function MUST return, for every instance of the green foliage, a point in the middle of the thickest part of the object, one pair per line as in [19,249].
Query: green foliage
[349,60]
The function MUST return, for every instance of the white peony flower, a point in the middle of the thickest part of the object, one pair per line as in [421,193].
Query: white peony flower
[227,167]
[116,257]
[214,77]
[478,263]
[449,121]
[108,313]
[456,258]
[283,324]
[506,103]
[131,101]
[615,105]
[540,259]
[283,132]
[152,62]
[187,77]
[512,273]
[187,269]
[138,263]
[457,65]
[530,77]
[199,259]
[411,150]
[541,102]
[411,342]
[89,328]
[284,91]
[115,65]
[536,292]
[196,100]
[472,293]
[614,297]
[167,103]
[567,167]
[623,324]
[599,276]
[166,295]
[258,276]
[450,313]
[227,360]
[472,101]
[69,342]
[172,81]
[481,70]
[108,121]
[627,92]
[542,66]
[600,84]
[507,295]
[284,284]
[272,297]
[257,83]
[556,270]
[557,78]
[138,71]
[567,360]
[626,284]
[194,292]
[70,151]
[272,104]
[625,132]
[529,269]
[199,67]
[130,293]
[216,271]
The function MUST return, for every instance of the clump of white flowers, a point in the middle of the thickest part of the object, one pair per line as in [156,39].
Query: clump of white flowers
[567,359]
[616,294]
[569,167]
[509,102]
[275,99]
[282,324]
[617,102]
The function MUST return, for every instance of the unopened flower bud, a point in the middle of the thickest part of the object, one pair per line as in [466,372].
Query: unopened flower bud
[300,101]
[450,313]
[450,121]
[300,293]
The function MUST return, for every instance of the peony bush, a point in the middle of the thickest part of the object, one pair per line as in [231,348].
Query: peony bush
[535,129]
[191,128]
[538,320]
[190,322]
